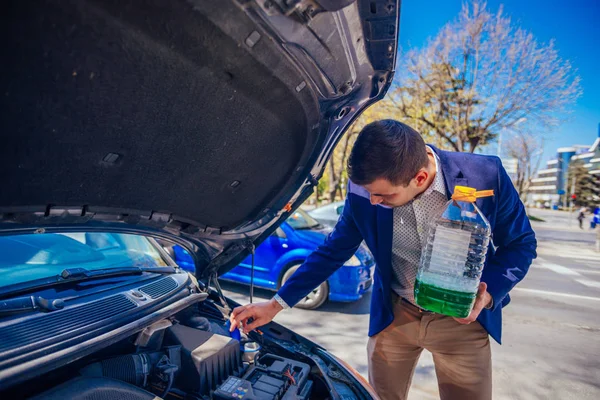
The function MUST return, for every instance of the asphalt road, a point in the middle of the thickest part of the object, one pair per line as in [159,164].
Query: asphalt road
[551,337]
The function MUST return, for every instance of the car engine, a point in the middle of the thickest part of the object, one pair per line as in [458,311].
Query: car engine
[171,360]
[143,337]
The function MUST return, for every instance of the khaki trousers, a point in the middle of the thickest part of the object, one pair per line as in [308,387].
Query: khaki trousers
[461,354]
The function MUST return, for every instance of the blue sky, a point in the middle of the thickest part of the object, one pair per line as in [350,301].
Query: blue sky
[575,27]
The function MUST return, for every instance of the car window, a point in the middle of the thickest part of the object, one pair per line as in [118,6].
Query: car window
[28,257]
[301,220]
[279,233]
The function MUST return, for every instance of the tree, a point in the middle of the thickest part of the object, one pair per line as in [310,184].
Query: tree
[587,186]
[482,74]
[337,166]
[336,174]
[526,149]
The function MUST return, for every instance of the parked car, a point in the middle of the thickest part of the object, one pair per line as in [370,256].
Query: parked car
[205,124]
[328,214]
[282,253]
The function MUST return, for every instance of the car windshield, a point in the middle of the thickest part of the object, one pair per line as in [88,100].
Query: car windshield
[301,220]
[29,257]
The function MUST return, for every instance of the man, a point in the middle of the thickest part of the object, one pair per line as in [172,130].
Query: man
[581,216]
[397,184]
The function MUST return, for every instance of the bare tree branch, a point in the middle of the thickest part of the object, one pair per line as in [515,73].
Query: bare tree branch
[526,148]
[482,74]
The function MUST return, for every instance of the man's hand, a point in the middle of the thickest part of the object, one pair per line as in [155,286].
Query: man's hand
[482,300]
[261,314]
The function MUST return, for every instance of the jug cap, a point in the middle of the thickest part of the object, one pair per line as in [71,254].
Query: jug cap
[468,194]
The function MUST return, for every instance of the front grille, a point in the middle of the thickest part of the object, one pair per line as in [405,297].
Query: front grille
[159,288]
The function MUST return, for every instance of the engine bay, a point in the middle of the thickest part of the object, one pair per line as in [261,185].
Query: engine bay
[191,356]
[149,336]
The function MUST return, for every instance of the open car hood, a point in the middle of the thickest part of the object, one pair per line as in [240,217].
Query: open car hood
[203,122]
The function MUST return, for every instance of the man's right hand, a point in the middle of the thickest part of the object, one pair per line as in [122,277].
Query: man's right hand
[261,314]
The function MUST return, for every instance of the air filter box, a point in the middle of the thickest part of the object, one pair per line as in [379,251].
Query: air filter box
[207,359]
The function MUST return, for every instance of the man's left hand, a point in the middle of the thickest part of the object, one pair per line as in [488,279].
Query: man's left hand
[482,300]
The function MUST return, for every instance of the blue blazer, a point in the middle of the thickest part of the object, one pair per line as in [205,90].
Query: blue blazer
[507,260]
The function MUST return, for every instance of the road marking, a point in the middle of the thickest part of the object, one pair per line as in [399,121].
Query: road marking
[556,294]
[557,268]
[589,283]
[585,271]
[578,257]
[584,254]
[569,254]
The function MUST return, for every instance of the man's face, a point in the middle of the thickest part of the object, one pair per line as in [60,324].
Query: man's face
[385,193]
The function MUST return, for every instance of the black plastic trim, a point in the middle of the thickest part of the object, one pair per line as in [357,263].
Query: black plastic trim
[159,288]
[17,337]
[51,359]
[58,344]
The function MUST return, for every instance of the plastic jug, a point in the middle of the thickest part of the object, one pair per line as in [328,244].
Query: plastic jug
[453,257]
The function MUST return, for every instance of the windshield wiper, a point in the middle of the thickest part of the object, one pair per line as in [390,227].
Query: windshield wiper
[30,303]
[71,275]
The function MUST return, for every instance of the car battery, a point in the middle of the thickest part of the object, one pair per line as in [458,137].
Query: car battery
[272,378]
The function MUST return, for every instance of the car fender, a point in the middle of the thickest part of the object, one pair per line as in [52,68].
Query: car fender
[289,259]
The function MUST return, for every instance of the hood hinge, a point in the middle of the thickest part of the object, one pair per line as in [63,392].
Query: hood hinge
[224,307]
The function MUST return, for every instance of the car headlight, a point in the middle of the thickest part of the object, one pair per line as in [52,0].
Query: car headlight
[353,262]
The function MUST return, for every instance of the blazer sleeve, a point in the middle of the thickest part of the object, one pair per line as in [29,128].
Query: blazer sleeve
[515,240]
[338,247]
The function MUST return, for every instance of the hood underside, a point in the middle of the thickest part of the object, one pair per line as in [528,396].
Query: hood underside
[193,120]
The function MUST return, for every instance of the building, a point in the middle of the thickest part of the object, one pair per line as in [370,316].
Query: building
[552,186]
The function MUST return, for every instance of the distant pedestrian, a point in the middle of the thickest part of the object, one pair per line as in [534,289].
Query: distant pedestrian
[581,216]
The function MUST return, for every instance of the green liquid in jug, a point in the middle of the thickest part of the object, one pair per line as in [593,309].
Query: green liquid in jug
[444,301]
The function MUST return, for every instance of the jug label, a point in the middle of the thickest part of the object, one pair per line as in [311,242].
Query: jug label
[449,251]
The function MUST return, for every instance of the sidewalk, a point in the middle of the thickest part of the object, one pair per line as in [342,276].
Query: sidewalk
[562,220]
[562,228]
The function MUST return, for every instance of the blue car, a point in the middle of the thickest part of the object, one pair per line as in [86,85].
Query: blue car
[282,253]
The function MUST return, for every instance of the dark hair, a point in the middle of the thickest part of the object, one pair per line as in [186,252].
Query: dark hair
[387,149]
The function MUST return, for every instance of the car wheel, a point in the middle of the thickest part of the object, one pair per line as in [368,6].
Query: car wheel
[314,299]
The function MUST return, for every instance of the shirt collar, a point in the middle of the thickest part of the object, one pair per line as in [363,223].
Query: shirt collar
[438,181]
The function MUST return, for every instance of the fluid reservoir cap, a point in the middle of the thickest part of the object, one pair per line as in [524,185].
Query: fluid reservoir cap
[251,349]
